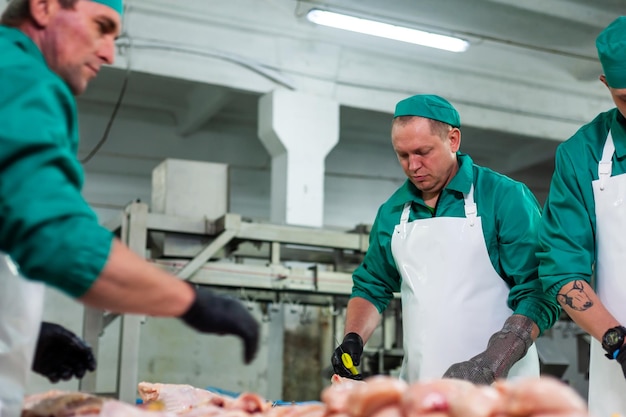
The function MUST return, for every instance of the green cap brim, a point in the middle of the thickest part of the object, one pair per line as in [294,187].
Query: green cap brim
[117,5]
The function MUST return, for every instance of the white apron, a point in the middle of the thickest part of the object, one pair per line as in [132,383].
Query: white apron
[607,385]
[453,300]
[21,305]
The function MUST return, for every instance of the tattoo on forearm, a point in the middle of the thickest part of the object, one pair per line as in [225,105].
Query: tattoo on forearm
[576,297]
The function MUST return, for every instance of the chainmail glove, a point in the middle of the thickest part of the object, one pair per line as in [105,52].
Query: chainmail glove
[222,315]
[60,354]
[353,345]
[504,349]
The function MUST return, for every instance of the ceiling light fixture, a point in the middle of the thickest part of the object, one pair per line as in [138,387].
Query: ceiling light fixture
[385,30]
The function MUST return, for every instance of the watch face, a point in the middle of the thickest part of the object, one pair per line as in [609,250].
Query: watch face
[612,338]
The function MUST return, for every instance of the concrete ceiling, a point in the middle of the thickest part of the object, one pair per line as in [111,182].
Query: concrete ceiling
[528,80]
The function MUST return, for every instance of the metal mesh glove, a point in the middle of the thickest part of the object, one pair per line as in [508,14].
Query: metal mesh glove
[60,354]
[212,313]
[353,345]
[504,349]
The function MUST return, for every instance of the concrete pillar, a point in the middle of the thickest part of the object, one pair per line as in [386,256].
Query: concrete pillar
[299,131]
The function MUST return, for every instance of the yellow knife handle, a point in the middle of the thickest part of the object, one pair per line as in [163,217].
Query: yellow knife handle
[347,362]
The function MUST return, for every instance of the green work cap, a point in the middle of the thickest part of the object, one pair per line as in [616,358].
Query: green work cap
[611,45]
[430,107]
[116,5]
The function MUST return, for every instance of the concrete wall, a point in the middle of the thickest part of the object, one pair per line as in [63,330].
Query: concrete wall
[359,176]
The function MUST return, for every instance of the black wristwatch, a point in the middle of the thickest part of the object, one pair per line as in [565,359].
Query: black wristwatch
[613,340]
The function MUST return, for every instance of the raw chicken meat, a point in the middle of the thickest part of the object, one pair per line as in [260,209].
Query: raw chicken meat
[431,397]
[31,400]
[547,397]
[379,396]
[249,402]
[62,404]
[385,397]
[112,408]
[377,393]
[336,379]
[179,397]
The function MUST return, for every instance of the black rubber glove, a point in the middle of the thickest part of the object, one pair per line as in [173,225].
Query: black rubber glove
[353,345]
[504,349]
[60,354]
[621,358]
[213,313]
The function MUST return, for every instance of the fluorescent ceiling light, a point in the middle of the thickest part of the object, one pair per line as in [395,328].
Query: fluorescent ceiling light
[384,30]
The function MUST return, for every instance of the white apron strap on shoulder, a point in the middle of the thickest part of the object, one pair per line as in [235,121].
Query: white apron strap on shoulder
[470,206]
[605,167]
[404,219]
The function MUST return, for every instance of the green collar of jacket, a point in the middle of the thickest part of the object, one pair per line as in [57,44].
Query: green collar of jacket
[461,183]
[618,131]
[20,39]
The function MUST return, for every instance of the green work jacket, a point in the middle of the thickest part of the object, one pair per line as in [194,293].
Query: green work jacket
[510,215]
[46,226]
[568,228]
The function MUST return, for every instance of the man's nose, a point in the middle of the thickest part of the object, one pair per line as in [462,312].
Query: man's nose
[415,162]
[106,52]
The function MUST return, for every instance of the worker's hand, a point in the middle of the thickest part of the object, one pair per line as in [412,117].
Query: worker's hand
[352,345]
[504,349]
[213,313]
[60,354]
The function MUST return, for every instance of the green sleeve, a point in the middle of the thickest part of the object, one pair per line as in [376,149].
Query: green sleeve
[517,223]
[47,227]
[377,278]
[566,236]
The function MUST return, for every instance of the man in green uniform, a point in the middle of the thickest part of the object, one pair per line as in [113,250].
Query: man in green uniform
[583,231]
[51,49]
[458,241]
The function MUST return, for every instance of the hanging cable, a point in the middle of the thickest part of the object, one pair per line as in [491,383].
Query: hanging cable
[124,41]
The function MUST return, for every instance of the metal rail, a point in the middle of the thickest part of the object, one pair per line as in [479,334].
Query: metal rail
[136,224]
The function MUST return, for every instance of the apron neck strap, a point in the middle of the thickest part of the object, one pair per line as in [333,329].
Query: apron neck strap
[605,167]
[470,207]
[404,219]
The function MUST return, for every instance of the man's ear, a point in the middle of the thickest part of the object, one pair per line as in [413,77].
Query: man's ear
[42,11]
[603,79]
[454,136]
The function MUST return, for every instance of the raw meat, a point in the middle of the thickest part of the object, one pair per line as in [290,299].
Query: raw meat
[62,404]
[179,397]
[378,396]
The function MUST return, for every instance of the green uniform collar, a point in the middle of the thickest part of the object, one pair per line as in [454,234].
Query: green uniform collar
[461,183]
[618,131]
[20,39]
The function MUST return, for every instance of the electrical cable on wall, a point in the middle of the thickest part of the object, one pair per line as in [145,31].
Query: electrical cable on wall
[127,44]
[105,135]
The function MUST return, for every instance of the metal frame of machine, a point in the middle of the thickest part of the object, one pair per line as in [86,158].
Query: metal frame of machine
[314,285]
